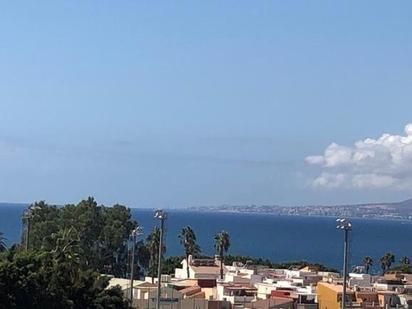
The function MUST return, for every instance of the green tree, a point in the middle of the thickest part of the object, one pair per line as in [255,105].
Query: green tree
[102,232]
[405,261]
[386,262]
[170,263]
[143,258]
[44,220]
[187,239]
[222,244]
[54,279]
[3,246]
[367,262]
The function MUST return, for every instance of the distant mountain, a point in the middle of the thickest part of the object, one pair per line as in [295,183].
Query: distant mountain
[399,210]
[404,207]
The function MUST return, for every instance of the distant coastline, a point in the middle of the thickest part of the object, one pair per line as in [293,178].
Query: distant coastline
[381,211]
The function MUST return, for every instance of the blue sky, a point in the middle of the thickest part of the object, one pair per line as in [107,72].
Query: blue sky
[186,103]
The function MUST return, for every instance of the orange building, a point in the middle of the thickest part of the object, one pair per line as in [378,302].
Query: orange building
[330,295]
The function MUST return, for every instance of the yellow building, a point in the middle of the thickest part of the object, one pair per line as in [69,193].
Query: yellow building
[330,295]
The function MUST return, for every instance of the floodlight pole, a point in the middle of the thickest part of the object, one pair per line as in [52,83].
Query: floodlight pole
[346,226]
[161,215]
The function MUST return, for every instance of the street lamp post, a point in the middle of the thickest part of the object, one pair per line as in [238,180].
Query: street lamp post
[346,226]
[161,215]
[133,235]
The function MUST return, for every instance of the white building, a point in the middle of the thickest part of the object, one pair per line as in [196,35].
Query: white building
[237,294]
[360,280]
[207,269]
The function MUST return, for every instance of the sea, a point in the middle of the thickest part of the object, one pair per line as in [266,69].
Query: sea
[278,238]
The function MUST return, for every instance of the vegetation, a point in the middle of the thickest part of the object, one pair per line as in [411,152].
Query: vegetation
[68,249]
[187,239]
[229,259]
[403,267]
[3,246]
[405,261]
[54,278]
[368,263]
[170,263]
[386,262]
[152,245]
[222,244]
[101,232]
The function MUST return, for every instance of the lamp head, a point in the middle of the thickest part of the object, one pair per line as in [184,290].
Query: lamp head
[160,214]
[137,231]
[343,224]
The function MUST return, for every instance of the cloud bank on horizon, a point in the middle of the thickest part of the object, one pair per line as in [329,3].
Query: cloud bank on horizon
[383,163]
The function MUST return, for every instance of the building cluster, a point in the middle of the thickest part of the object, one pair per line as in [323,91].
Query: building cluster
[198,285]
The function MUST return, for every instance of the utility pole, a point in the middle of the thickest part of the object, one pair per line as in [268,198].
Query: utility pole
[133,235]
[161,215]
[346,226]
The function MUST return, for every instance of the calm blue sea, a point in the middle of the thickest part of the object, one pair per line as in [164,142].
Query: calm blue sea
[279,238]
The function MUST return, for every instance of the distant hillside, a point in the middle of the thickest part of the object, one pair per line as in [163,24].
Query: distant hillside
[404,207]
[399,210]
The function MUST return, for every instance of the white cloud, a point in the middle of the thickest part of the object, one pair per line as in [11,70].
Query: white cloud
[372,181]
[329,180]
[385,162]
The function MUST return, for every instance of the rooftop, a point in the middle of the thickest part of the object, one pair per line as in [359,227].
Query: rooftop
[203,262]
[231,286]
[334,287]
[191,290]
[123,283]
[184,283]
[268,303]
[206,269]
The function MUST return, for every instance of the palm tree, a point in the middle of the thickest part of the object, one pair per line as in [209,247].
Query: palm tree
[386,261]
[367,262]
[188,241]
[405,261]
[222,244]
[3,246]
[153,243]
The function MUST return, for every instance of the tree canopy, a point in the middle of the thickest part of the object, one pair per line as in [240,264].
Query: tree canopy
[386,261]
[187,239]
[3,246]
[101,231]
[54,279]
[222,244]
[367,263]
